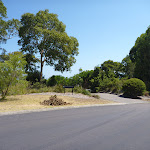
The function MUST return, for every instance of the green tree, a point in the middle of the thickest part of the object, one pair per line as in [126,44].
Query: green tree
[112,69]
[44,34]
[55,80]
[31,63]
[11,71]
[7,28]
[128,67]
[140,55]
[33,76]
[3,15]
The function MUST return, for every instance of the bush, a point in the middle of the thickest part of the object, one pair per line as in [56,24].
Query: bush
[58,89]
[79,89]
[146,93]
[116,86]
[19,88]
[37,85]
[96,96]
[133,87]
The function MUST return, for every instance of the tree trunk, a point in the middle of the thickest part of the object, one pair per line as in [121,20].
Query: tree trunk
[42,63]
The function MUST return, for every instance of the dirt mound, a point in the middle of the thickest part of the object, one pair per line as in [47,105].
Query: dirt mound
[54,101]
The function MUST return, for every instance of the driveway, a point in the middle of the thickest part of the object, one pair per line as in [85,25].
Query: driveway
[118,98]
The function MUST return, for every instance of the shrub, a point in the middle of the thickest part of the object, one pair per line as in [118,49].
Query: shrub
[146,93]
[116,86]
[86,92]
[37,85]
[133,87]
[96,96]
[19,88]
[79,89]
[58,89]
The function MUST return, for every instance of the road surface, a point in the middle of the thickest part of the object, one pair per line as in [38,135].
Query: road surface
[122,127]
[121,99]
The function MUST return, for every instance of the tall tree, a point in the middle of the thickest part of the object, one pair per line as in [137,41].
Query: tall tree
[3,24]
[140,54]
[44,34]
[8,28]
[128,67]
[112,69]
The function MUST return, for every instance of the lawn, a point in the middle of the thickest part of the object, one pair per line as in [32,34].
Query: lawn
[32,102]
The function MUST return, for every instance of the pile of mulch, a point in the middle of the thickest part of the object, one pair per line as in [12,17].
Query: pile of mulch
[54,101]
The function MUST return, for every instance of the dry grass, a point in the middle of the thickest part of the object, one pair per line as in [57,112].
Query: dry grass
[30,102]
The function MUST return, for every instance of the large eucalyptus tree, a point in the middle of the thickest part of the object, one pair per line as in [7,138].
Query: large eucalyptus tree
[44,34]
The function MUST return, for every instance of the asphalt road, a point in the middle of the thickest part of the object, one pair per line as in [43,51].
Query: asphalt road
[120,99]
[124,127]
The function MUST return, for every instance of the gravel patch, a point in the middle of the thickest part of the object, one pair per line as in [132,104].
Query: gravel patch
[64,94]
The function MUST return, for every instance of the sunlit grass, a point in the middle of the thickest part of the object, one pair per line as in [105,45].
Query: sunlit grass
[32,102]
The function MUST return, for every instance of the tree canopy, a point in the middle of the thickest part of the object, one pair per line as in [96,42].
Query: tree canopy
[111,68]
[140,55]
[128,67]
[8,28]
[44,34]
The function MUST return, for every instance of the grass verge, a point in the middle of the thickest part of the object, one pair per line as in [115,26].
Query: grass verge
[32,102]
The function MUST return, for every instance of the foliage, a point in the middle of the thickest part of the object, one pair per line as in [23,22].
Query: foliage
[58,89]
[128,67]
[11,71]
[31,63]
[44,34]
[112,69]
[55,80]
[7,28]
[140,55]
[105,81]
[37,85]
[33,76]
[86,92]
[81,79]
[3,56]
[79,89]
[21,87]
[96,96]
[146,93]
[133,87]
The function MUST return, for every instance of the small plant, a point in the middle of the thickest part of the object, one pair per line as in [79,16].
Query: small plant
[133,87]
[79,89]
[86,92]
[146,93]
[96,96]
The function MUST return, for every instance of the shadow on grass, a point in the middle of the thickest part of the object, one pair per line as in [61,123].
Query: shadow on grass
[9,99]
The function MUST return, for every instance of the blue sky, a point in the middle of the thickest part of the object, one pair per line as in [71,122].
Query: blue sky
[105,29]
